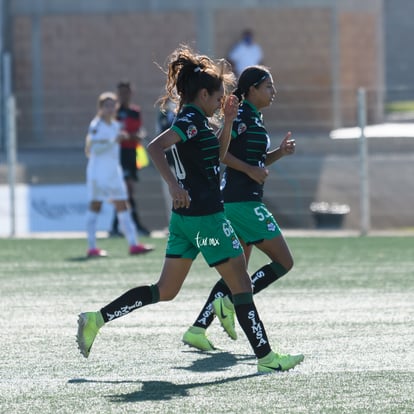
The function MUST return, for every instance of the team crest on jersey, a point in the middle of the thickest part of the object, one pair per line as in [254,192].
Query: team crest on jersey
[191,131]
[270,225]
[241,128]
[236,243]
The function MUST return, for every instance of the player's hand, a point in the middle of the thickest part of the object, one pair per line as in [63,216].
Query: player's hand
[180,196]
[287,146]
[122,136]
[136,138]
[231,107]
[258,174]
[139,136]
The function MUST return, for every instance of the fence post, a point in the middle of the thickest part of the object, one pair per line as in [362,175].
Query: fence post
[11,159]
[363,165]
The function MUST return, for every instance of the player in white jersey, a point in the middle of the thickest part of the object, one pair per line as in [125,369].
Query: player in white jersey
[104,175]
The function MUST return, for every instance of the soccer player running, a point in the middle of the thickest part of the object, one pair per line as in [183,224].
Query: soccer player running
[197,223]
[242,188]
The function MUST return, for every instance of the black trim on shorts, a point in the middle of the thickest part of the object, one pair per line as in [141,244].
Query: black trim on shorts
[254,242]
[174,256]
[220,262]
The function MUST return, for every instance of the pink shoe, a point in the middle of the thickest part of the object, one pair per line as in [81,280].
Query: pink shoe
[140,249]
[97,253]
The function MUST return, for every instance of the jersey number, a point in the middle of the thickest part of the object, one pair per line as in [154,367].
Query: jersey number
[262,213]
[178,166]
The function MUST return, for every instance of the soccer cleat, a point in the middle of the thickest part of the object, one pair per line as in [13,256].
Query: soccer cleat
[196,337]
[89,324]
[224,310]
[140,249]
[274,362]
[97,253]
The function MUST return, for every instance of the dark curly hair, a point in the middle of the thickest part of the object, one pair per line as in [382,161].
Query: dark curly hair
[189,72]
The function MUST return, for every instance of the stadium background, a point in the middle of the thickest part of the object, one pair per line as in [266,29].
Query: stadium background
[64,53]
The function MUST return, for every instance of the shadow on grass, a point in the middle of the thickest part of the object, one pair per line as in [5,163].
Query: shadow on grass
[217,361]
[77,259]
[86,258]
[165,390]
[90,381]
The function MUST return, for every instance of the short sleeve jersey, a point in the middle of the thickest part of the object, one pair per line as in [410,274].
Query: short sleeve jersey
[103,141]
[196,162]
[131,121]
[104,148]
[249,143]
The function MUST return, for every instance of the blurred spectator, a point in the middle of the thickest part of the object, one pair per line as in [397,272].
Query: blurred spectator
[165,117]
[104,175]
[246,52]
[129,115]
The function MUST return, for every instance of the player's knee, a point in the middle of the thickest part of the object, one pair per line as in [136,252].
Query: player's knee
[289,264]
[167,294]
[286,263]
[282,267]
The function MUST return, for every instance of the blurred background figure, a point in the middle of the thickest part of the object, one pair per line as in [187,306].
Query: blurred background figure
[246,52]
[165,119]
[104,175]
[129,115]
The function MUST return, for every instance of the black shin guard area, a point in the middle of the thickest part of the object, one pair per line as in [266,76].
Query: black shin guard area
[266,275]
[131,300]
[251,324]
[206,316]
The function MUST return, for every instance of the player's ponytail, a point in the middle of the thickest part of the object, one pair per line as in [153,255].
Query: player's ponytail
[188,73]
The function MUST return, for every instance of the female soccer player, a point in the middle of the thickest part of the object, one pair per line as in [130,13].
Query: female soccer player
[242,189]
[197,223]
[104,175]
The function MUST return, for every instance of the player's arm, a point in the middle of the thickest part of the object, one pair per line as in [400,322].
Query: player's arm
[286,147]
[87,145]
[230,110]
[99,145]
[138,136]
[256,173]
[156,149]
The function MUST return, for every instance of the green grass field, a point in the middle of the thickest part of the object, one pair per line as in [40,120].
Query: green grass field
[348,305]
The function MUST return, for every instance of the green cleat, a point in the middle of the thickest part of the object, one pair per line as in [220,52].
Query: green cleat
[196,337]
[273,362]
[89,324]
[224,310]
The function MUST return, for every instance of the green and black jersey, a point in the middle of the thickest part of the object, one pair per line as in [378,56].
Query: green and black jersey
[196,162]
[250,143]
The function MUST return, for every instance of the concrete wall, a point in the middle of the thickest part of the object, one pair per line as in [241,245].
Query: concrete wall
[65,53]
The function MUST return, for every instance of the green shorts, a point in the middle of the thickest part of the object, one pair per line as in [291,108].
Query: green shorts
[252,221]
[212,235]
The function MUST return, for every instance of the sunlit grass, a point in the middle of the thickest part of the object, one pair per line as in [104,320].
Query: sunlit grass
[347,305]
